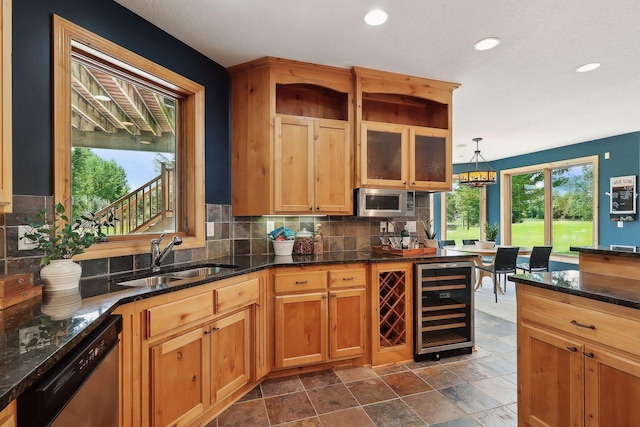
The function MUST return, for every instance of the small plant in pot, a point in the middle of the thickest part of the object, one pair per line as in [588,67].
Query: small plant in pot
[62,240]
[491,231]
[430,234]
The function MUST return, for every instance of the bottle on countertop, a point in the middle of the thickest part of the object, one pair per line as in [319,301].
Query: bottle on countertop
[406,240]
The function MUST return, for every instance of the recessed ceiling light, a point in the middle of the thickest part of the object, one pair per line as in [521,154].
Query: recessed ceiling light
[102,97]
[587,67]
[486,43]
[375,17]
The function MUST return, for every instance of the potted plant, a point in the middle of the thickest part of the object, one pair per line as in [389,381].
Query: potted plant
[430,234]
[62,240]
[491,231]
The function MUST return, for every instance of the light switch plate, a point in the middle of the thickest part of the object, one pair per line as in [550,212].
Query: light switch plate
[24,244]
[211,231]
[411,226]
[383,226]
[270,226]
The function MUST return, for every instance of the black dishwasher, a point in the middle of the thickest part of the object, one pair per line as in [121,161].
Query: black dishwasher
[444,317]
[82,388]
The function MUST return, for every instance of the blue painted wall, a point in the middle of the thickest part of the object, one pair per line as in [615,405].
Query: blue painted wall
[624,160]
[32,88]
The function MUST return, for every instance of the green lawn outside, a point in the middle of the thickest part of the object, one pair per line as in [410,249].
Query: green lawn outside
[531,233]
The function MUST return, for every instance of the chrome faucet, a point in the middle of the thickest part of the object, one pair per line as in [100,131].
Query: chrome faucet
[158,256]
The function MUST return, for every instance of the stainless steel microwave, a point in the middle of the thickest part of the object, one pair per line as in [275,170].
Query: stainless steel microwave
[375,202]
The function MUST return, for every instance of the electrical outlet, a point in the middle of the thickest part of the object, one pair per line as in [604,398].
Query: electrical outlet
[211,231]
[24,244]
[383,226]
[411,226]
[270,226]
[390,227]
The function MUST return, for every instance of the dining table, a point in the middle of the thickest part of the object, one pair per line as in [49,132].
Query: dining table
[482,252]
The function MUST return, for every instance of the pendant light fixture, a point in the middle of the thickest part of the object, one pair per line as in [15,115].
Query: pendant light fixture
[478,177]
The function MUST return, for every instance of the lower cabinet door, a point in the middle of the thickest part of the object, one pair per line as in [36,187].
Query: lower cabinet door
[230,369]
[300,329]
[612,388]
[347,322]
[550,379]
[177,379]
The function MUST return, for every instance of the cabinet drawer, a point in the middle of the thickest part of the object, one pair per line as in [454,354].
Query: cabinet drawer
[178,313]
[604,328]
[347,278]
[301,281]
[238,295]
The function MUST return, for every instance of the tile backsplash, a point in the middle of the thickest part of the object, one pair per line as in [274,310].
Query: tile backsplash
[232,236]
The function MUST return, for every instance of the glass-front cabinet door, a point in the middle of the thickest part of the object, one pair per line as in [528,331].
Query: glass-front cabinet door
[429,159]
[384,160]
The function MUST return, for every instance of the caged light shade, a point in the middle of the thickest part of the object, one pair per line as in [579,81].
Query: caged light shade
[478,177]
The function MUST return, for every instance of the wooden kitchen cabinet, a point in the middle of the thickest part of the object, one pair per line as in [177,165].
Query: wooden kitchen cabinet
[578,361]
[291,150]
[312,169]
[403,131]
[6,180]
[320,315]
[186,355]
[8,415]
[391,312]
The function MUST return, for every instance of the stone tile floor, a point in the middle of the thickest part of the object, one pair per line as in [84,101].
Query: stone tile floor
[478,389]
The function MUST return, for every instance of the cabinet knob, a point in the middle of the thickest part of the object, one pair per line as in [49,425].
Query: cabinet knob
[572,349]
[311,208]
[301,282]
[404,183]
[590,355]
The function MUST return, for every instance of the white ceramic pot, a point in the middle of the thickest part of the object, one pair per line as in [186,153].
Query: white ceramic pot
[61,274]
[431,243]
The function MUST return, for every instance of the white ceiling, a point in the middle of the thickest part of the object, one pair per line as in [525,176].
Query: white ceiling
[522,96]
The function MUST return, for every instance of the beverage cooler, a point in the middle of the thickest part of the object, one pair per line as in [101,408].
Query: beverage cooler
[444,316]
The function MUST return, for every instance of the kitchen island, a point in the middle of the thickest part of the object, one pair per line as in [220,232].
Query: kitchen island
[579,342]
[23,364]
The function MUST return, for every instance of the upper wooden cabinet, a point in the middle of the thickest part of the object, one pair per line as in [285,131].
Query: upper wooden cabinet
[292,138]
[6,180]
[403,131]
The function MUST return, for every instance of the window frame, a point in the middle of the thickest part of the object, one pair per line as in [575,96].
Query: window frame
[189,148]
[546,168]
[443,210]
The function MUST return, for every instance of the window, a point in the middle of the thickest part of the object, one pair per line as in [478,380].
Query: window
[463,213]
[129,142]
[551,204]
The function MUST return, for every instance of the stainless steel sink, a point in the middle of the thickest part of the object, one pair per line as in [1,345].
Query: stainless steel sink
[163,279]
[204,271]
[150,281]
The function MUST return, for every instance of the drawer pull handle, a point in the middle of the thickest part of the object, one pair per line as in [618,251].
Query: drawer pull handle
[582,325]
[301,282]
[347,278]
[590,355]
[572,349]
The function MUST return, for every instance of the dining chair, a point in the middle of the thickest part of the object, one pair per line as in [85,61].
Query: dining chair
[504,263]
[538,261]
[469,241]
[442,243]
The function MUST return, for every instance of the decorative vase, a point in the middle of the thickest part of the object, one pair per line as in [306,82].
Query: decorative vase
[61,274]
[431,243]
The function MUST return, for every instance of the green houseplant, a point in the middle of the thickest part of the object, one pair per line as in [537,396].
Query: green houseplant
[430,234]
[60,241]
[491,231]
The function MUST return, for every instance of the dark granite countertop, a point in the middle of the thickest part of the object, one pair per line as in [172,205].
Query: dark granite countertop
[39,332]
[614,290]
[614,250]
